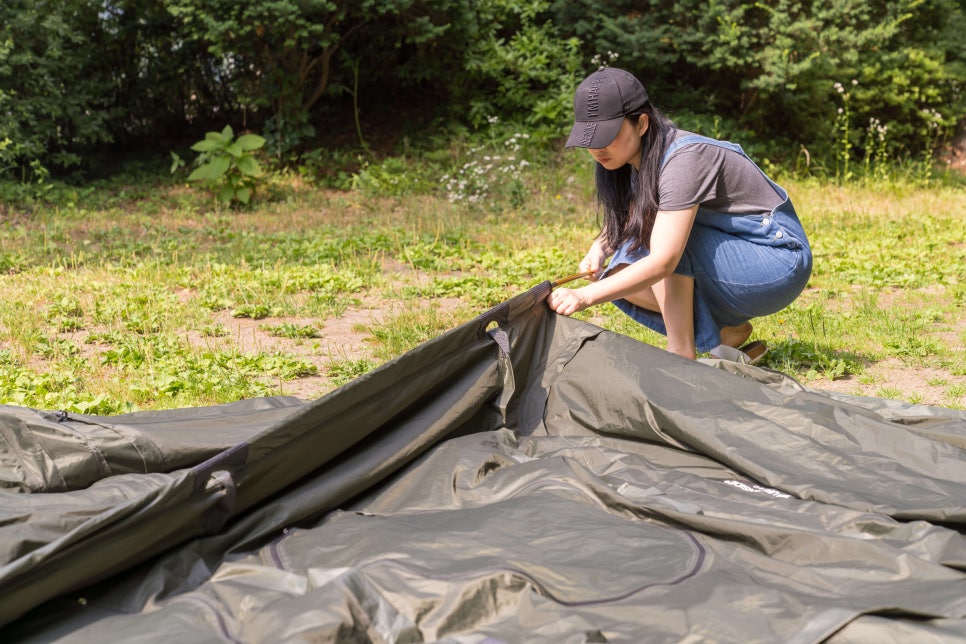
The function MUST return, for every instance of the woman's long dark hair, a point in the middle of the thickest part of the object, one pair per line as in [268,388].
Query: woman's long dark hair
[630,199]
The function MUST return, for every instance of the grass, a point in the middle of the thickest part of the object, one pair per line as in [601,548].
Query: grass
[119,298]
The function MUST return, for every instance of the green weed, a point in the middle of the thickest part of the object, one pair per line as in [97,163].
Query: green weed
[407,330]
[225,164]
[289,330]
[809,361]
[341,372]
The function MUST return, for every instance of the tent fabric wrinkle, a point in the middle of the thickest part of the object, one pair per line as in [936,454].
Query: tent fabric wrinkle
[523,476]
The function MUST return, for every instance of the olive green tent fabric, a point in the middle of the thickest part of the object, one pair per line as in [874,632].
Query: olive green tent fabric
[523,477]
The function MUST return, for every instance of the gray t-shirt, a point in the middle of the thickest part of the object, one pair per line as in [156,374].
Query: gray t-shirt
[715,178]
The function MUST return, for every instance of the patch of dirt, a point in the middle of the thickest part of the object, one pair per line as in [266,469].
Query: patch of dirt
[339,339]
[906,380]
[894,379]
[909,379]
[347,337]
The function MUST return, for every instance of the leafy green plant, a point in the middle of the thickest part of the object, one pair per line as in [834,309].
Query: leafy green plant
[292,331]
[345,370]
[225,164]
[391,177]
[954,392]
[889,392]
[253,311]
[213,331]
[813,362]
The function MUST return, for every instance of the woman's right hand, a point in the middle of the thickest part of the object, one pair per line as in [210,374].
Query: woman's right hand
[594,260]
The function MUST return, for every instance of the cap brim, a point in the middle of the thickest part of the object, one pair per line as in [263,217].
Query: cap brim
[594,134]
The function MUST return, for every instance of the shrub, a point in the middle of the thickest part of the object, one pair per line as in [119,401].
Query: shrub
[225,164]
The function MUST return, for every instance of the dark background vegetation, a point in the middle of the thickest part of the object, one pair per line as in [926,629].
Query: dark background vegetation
[86,83]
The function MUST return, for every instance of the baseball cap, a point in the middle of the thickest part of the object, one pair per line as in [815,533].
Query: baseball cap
[601,102]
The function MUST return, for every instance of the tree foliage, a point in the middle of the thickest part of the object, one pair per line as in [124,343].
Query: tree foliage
[278,55]
[772,67]
[79,75]
[55,98]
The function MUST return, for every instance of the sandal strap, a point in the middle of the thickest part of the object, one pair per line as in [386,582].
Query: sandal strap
[724,352]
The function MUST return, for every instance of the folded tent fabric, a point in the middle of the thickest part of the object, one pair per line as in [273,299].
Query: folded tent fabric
[522,472]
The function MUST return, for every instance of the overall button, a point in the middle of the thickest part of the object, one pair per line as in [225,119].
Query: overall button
[779,235]
[765,221]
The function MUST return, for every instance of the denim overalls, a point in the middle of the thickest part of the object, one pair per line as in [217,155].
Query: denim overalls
[744,266]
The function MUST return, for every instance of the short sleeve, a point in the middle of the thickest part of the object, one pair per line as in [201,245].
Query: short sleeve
[690,177]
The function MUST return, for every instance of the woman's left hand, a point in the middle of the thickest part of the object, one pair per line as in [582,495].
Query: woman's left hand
[567,301]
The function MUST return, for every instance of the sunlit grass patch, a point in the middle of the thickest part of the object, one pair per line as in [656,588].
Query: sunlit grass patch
[118,304]
[407,330]
[343,371]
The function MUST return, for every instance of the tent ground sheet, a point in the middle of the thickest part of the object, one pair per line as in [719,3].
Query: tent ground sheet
[522,477]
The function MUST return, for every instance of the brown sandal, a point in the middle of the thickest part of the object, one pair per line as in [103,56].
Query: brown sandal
[755,351]
[748,354]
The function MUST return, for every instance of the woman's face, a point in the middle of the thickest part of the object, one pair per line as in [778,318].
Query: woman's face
[626,148]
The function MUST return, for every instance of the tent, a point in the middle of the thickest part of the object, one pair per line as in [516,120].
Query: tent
[522,477]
